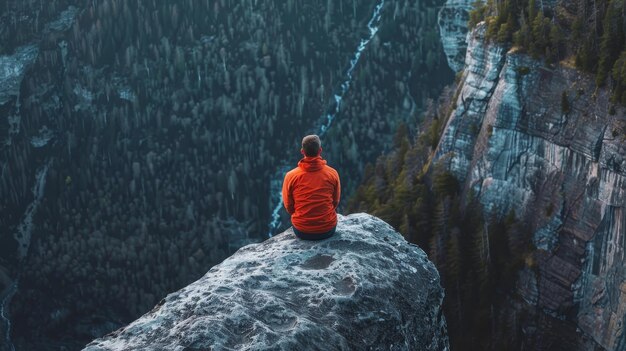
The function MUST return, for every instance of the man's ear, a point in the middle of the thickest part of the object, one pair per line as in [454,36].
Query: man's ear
[319,152]
[302,152]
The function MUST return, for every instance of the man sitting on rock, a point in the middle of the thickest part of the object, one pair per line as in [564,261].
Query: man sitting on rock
[311,193]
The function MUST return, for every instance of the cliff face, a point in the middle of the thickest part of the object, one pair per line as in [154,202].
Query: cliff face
[453,18]
[542,141]
[364,288]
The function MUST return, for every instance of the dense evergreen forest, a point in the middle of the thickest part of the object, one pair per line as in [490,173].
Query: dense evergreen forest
[151,132]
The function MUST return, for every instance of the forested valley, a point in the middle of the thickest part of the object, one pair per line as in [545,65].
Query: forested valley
[141,139]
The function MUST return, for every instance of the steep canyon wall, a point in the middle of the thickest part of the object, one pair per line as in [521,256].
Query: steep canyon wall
[514,143]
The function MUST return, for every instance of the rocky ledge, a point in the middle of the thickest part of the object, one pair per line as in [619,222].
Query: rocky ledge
[364,288]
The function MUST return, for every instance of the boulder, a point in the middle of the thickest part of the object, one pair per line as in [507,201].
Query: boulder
[364,288]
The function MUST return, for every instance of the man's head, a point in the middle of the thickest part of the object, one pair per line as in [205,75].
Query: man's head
[311,145]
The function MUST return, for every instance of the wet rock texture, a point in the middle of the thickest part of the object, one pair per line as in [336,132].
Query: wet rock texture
[364,288]
[562,169]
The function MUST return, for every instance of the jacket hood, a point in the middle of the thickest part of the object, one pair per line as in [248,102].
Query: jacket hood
[312,164]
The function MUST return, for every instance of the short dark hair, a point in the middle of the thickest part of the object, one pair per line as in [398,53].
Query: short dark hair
[311,145]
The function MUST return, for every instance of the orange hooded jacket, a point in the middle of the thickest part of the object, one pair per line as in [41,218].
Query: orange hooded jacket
[311,194]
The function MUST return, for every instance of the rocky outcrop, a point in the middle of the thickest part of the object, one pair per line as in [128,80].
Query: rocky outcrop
[453,18]
[364,288]
[561,167]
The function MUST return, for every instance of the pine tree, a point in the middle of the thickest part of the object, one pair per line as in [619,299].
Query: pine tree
[440,232]
[618,74]
[523,36]
[481,255]
[532,10]
[477,14]
[454,275]
[556,41]
[405,227]
[539,35]
[565,107]
[433,132]
[612,40]
[586,56]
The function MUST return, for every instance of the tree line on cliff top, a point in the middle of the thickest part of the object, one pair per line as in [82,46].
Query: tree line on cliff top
[589,35]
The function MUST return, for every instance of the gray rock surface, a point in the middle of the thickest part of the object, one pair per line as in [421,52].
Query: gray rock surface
[564,173]
[364,288]
[453,18]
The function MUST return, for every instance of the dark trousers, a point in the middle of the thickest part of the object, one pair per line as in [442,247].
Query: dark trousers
[309,236]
